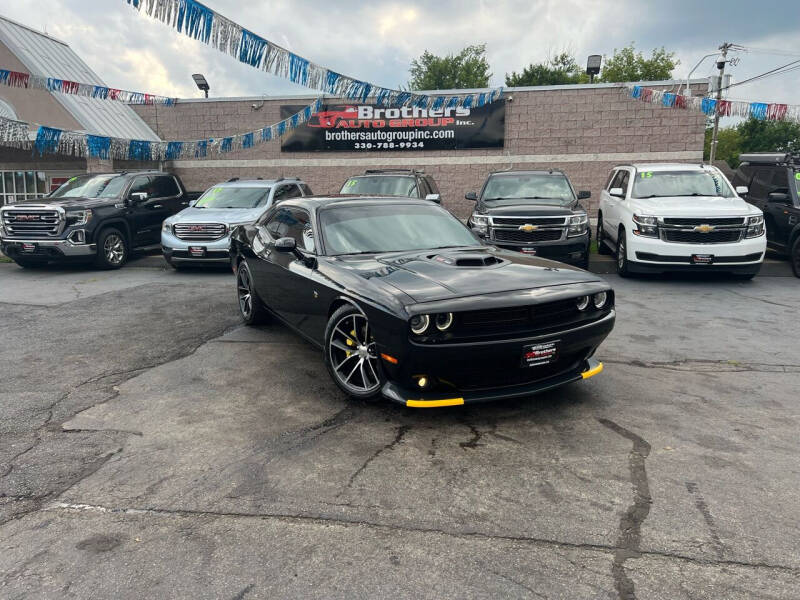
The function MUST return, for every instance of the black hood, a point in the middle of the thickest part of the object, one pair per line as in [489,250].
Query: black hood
[71,202]
[527,209]
[430,275]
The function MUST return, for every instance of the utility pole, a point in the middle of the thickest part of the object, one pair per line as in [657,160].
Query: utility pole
[721,66]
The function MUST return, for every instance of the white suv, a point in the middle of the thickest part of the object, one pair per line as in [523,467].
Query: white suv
[663,217]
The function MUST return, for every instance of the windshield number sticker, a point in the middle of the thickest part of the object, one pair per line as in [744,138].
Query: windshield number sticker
[71,179]
[351,183]
[797,175]
[646,174]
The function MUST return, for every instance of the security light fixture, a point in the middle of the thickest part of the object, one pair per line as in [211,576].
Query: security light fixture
[593,66]
[201,83]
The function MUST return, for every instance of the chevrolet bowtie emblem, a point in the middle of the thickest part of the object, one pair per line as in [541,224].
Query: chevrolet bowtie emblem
[527,228]
[704,228]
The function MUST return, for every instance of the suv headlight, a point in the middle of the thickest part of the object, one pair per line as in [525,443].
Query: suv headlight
[479,223]
[166,227]
[645,226]
[755,226]
[78,217]
[578,225]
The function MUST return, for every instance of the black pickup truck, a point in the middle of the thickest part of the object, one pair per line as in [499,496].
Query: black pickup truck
[100,218]
[773,185]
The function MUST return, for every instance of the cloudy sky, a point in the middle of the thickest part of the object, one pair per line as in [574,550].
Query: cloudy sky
[376,40]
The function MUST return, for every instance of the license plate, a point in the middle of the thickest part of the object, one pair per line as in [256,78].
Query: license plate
[197,251]
[528,250]
[537,355]
[702,259]
[28,248]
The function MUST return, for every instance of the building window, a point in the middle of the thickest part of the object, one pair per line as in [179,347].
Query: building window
[16,186]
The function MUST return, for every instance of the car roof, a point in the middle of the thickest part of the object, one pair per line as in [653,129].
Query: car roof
[255,183]
[528,172]
[392,174]
[317,202]
[667,166]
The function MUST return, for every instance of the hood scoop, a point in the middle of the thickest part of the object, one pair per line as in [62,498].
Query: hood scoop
[467,259]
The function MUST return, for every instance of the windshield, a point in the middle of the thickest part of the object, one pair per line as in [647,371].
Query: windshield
[391,228]
[91,186]
[503,190]
[381,185]
[657,184]
[233,197]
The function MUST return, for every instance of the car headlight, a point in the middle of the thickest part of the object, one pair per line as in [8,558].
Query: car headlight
[444,321]
[755,226]
[581,302]
[479,223]
[578,224]
[645,226]
[419,324]
[78,217]
[167,227]
[600,299]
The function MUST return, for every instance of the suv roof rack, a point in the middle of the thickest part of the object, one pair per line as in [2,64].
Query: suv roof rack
[547,170]
[232,179]
[287,179]
[770,158]
[380,171]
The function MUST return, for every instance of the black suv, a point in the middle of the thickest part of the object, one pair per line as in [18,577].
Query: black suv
[393,182]
[533,212]
[100,217]
[773,182]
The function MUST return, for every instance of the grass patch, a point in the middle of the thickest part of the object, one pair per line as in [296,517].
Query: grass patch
[5,259]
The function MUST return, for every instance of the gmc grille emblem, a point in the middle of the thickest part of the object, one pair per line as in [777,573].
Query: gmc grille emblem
[196,228]
[26,217]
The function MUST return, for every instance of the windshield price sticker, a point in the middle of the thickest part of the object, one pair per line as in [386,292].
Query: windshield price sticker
[646,174]
[797,175]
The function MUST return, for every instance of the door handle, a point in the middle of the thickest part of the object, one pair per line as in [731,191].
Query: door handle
[157,206]
[185,203]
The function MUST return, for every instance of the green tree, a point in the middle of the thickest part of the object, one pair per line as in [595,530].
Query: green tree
[628,65]
[753,135]
[560,69]
[467,69]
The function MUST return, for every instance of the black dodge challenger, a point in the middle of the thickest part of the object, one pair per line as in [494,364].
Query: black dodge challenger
[405,301]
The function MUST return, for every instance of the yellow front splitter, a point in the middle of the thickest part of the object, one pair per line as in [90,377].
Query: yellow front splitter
[435,403]
[592,372]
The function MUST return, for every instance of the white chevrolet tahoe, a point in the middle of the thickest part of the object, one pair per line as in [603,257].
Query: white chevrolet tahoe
[664,217]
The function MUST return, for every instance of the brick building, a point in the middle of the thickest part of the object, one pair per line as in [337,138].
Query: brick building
[583,129]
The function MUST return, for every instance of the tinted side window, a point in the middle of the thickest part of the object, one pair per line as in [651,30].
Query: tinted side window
[432,185]
[780,180]
[294,192]
[165,187]
[306,190]
[743,176]
[140,184]
[615,180]
[281,193]
[762,183]
[422,186]
[294,223]
[611,177]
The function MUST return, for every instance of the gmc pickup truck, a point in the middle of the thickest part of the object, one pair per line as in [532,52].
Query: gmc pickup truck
[99,218]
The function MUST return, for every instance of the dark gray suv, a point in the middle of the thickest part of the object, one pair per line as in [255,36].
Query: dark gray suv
[393,182]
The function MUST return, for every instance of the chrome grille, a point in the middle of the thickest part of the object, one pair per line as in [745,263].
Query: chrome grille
[199,232]
[704,221]
[517,221]
[539,235]
[30,222]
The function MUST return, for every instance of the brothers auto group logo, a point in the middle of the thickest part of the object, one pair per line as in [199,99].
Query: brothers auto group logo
[371,117]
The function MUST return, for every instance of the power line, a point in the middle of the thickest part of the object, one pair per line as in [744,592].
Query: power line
[776,71]
[769,51]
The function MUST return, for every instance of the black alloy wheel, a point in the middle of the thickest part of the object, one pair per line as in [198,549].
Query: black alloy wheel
[251,308]
[622,255]
[601,236]
[351,355]
[112,249]
[794,256]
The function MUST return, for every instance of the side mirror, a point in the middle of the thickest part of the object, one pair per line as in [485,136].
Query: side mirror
[471,196]
[286,245]
[434,198]
[584,194]
[741,189]
[618,192]
[193,202]
[778,197]
[138,197]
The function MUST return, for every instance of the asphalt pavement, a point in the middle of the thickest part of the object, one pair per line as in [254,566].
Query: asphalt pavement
[151,447]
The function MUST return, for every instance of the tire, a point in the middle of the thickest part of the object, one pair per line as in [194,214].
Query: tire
[30,264]
[112,249]
[623,269]
[794,256]
[583,263]
[601,237]
[251,308]
[351,355]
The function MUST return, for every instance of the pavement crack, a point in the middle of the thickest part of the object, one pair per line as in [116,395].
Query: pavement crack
[702,506]
[757,299]
[519,584]
[398,438]
[344,521]
[473,442]
[630,524]
[242,593]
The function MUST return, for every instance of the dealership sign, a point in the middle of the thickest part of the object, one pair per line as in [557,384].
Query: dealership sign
[364,127]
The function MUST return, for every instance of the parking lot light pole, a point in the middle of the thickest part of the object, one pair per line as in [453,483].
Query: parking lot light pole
[721,66]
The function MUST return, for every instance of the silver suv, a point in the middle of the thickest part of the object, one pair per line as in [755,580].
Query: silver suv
[200,234]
